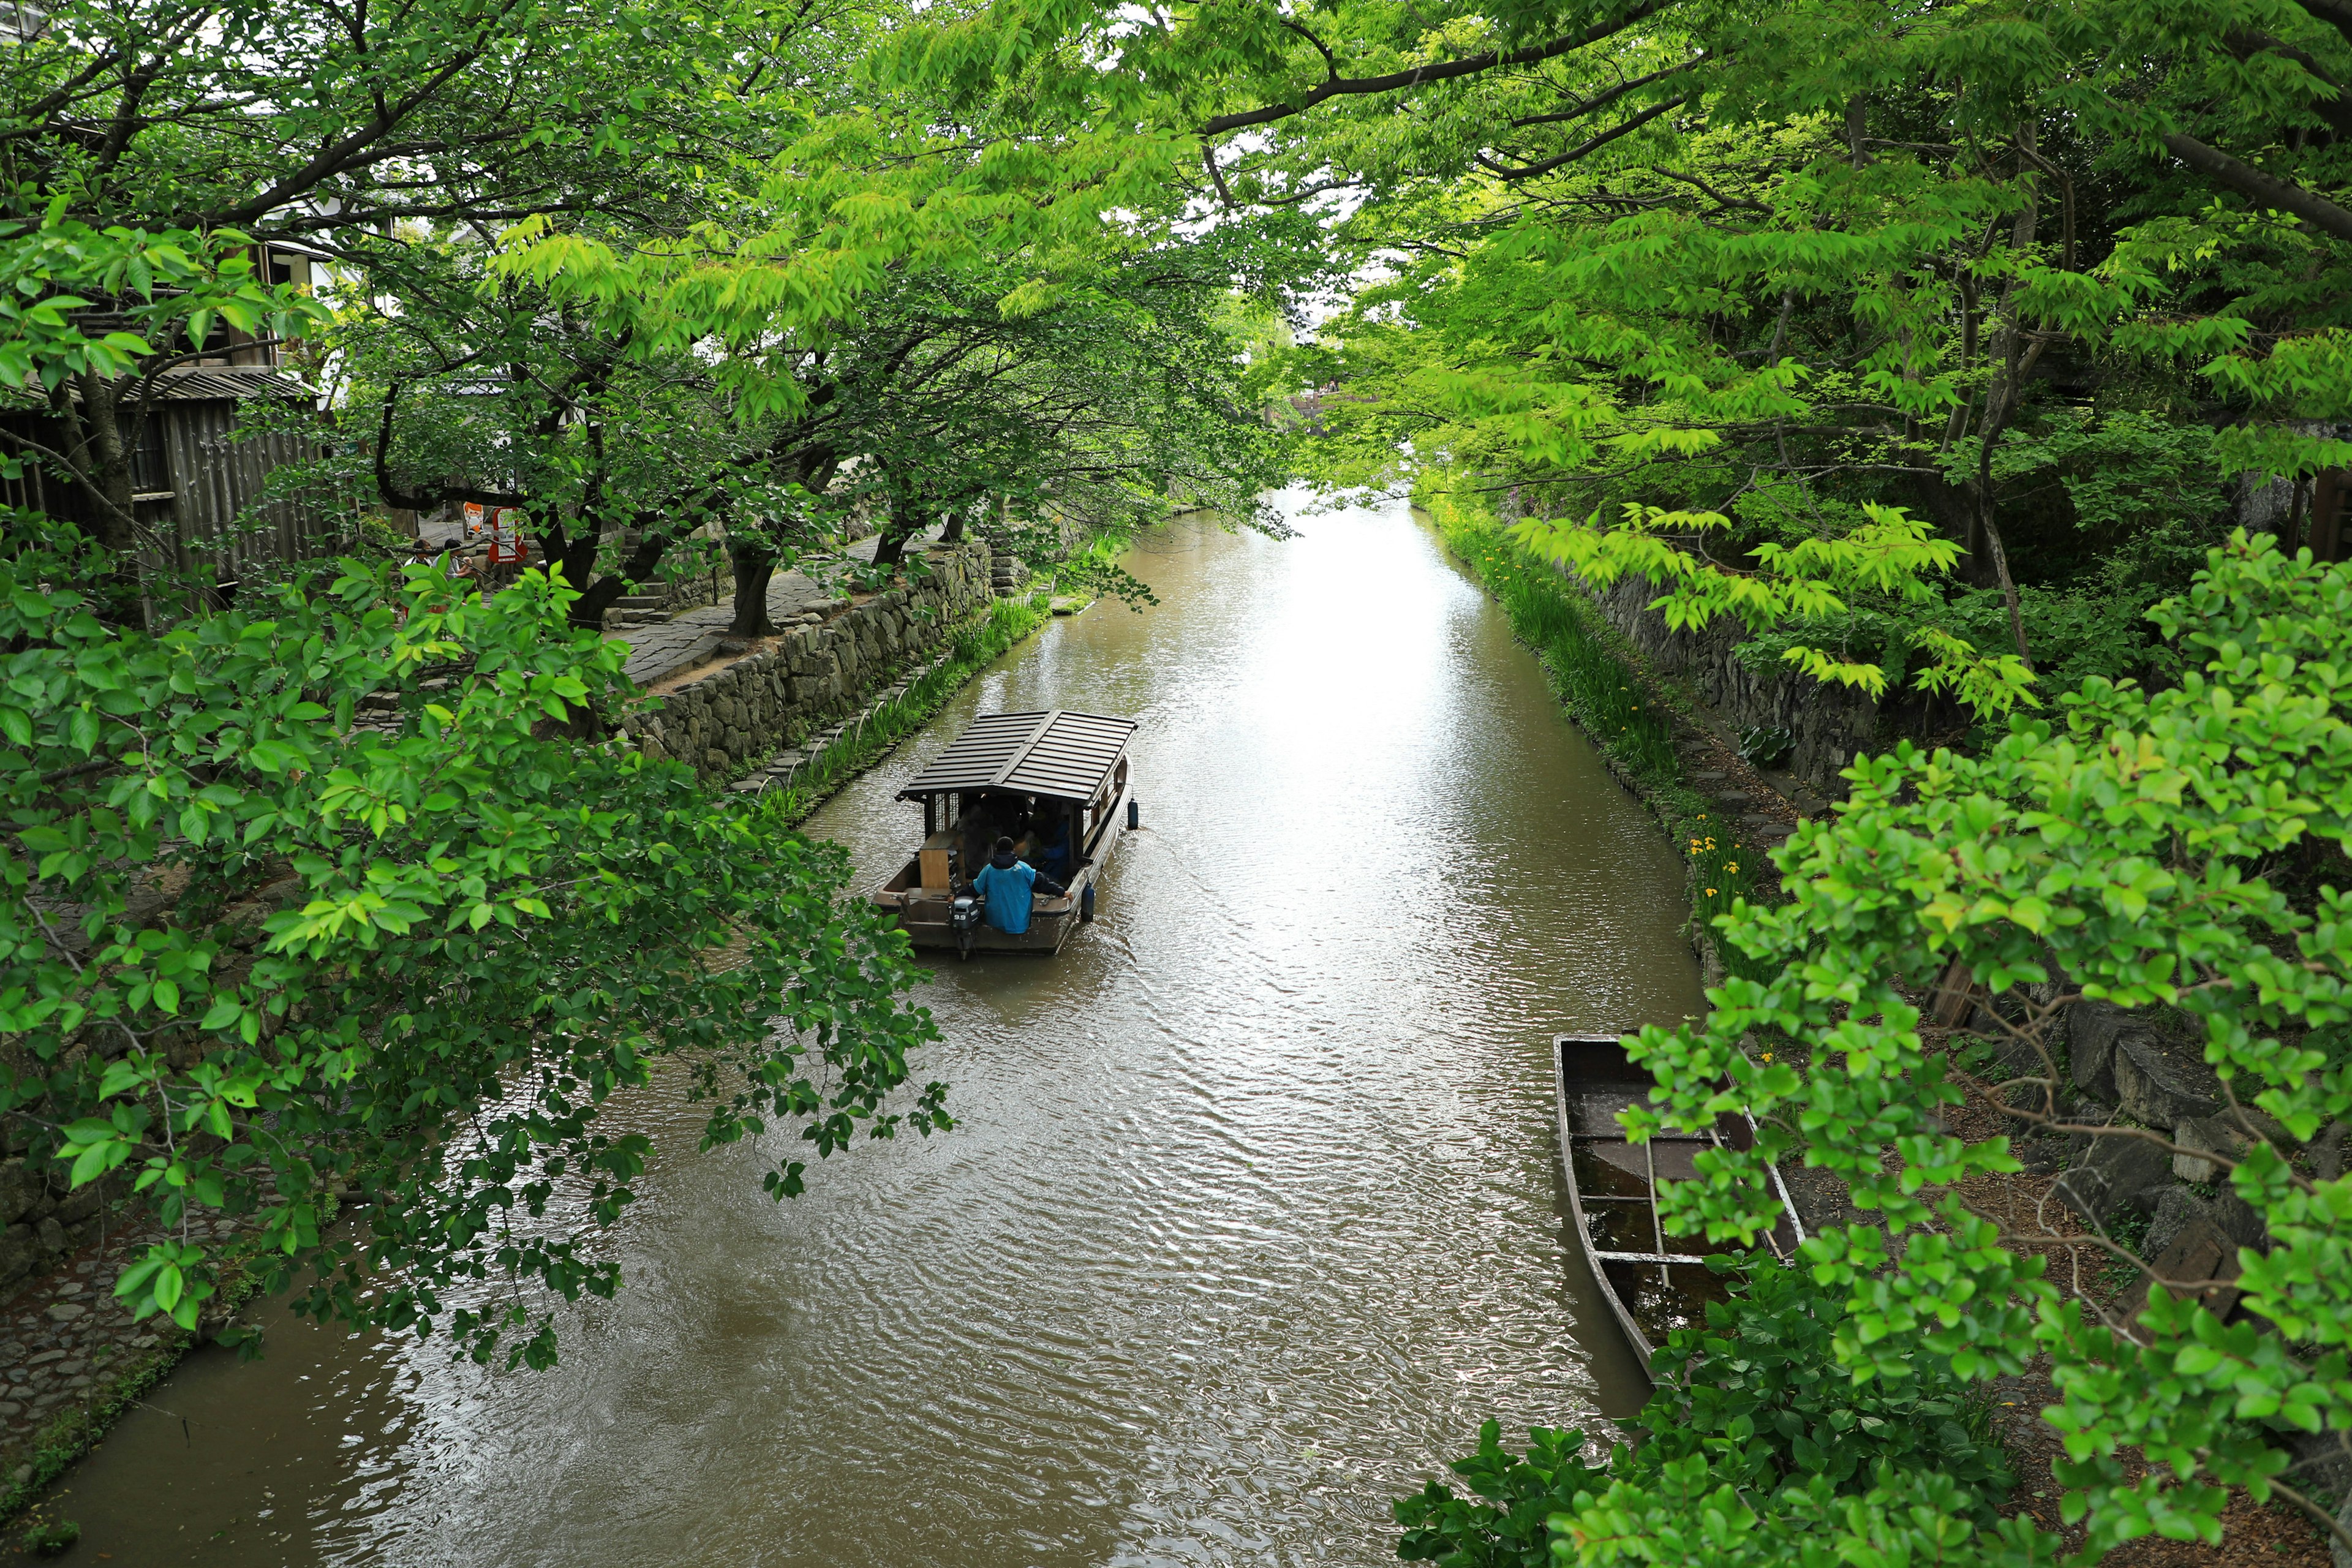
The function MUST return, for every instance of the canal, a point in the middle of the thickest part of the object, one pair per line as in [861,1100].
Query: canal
[1251,1215]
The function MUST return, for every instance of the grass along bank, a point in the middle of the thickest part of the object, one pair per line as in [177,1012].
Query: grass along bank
[1635,721]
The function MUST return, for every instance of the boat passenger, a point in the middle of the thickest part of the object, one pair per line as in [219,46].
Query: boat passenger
[1054,846]
[1007,884]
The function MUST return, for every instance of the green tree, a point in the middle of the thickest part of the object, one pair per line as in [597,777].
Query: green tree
[1759,271]
[2173,854]
[165,125]
[615,441]
[1753,1418]
[1085,400]
[339,895]
[322,897]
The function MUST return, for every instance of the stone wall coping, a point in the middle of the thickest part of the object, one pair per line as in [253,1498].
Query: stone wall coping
[721,716]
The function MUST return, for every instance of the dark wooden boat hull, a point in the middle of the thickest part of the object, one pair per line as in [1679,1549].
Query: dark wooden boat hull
[1653,1283]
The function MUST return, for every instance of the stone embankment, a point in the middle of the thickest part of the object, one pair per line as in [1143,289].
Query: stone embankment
[783,689]
[42,1220]
[1799,725]
[71,1356]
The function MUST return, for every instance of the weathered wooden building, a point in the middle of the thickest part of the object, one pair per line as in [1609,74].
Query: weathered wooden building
[198,483]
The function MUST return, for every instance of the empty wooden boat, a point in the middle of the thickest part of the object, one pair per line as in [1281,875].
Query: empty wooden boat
[1655,1283]
[1053,781]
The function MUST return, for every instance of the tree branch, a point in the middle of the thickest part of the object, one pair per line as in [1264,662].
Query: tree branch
[1216,177]
[2337,13]
[1444,71]
[1724,200]
[1530,171]
[1603,100]
[2269,189]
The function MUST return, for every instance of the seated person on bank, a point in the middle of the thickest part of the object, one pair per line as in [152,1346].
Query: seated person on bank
[1007,884]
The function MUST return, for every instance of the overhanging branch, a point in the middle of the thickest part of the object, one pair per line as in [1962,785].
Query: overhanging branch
[1530,171]
[2336,13]
[1443,70]
[2269,189]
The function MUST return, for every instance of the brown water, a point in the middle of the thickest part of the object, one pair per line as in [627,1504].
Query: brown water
[1252,1218]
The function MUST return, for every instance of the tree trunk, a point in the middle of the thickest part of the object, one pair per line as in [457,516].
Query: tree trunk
[574,559]
[105,464]
[588,609]
[2291,535]
[2014,364]
[102,459]
[1955,514]
[755,565]
[2008,587]
[890,547]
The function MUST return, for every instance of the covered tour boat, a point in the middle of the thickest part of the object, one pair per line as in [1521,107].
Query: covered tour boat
[1655,1283]
[1057,784]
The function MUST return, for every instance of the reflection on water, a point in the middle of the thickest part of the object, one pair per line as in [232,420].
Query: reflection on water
[1250,1220]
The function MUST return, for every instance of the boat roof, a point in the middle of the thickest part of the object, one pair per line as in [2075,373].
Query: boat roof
[1060,754]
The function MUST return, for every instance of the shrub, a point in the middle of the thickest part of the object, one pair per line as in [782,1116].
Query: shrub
[1754,1402]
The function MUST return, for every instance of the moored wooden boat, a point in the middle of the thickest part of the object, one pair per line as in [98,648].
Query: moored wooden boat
[1655,1283]
[1024,776]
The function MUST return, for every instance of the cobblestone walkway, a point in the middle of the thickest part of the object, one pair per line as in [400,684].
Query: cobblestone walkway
[692,636]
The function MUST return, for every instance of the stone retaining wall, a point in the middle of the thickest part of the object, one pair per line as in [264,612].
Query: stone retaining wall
[1828,725]
[40,1218]
[815,672]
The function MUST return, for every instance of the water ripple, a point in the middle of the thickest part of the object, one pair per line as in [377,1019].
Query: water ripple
[1250,1219]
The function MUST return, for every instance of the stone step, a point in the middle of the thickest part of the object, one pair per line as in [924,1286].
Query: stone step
[644,617]
[641,601]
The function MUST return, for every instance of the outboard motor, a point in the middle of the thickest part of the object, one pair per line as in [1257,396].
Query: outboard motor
[963,919]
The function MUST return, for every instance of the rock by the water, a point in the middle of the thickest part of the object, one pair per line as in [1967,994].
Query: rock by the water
[2198,1261]
[2175,1209]
[2091,1028]
[2161,1080]
[2188,1167]
[2123,1057]
[2117,1171]
[2240,1221]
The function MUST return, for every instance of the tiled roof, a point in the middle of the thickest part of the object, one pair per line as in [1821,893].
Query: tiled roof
[204,383]
[1060,754]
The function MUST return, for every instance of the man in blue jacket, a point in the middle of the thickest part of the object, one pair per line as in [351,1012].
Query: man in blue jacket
[1007,884]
